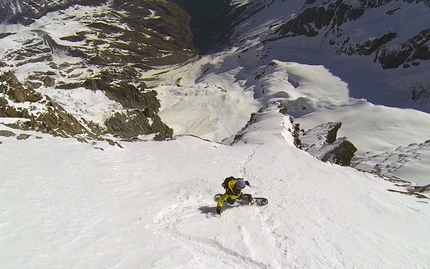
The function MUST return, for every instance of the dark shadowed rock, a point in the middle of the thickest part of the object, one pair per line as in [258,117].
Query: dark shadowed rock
[48,81]
[332,132]
[7,133]
[340,152]
[322,143]
[135,123]
[23,136]
[16,91]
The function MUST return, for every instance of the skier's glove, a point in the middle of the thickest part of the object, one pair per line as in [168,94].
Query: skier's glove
[247,183]
[218,210]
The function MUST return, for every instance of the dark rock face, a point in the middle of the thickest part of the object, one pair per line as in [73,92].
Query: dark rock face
[52,118]
[322,142]
[135,123]
[319,17]
[332,132]
[16,91]
[328,19]
[341,152]
[421,92]
[116,83]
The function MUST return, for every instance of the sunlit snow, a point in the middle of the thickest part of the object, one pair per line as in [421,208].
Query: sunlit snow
[67,204]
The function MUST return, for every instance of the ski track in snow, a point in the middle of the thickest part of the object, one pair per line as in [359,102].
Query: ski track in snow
[150,205]
[242,166]
[167,221]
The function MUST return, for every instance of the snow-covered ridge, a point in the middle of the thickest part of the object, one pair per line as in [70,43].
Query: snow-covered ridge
[385,42]
[311,94]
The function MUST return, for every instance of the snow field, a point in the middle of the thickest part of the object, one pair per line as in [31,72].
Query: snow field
[149,205]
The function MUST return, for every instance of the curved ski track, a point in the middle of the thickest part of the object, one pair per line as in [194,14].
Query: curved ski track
[207,251]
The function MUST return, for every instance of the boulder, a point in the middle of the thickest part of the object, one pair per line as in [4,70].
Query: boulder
[48,81]
[7,133]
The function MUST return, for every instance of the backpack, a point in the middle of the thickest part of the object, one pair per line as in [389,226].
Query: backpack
[225,183]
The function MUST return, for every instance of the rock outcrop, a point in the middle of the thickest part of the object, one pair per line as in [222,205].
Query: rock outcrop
[38,112]
[322,142]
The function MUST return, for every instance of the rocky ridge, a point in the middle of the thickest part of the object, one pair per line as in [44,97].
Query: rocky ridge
[386,41]
[34,111]
[97,45]
[328,19]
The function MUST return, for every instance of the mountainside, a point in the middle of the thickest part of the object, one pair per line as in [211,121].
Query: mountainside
[302,98]
[380,48]
[131,70]
[26,11]
[101,46]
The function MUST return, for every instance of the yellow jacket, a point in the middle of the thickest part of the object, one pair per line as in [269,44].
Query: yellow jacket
[231,192]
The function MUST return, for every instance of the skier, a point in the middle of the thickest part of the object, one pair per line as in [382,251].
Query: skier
[233,190]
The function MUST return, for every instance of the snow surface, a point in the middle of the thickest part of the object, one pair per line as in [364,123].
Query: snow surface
[149,205]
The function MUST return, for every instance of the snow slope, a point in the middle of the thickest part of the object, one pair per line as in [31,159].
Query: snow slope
[149,205]
[216,95]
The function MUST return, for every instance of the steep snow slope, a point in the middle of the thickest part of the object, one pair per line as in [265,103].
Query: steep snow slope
[406,162]
[149,205]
